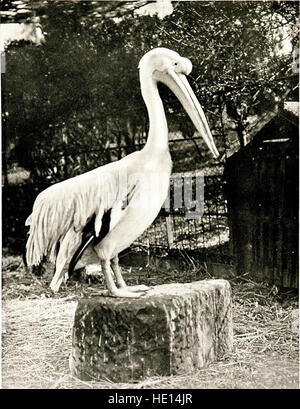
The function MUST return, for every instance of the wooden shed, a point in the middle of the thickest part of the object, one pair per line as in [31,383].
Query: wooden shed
[261,184]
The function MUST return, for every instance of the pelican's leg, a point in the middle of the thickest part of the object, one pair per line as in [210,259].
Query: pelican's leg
[111,286]
[118,273]
[119,279]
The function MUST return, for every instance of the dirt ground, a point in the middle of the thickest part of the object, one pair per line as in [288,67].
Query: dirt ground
[37,331]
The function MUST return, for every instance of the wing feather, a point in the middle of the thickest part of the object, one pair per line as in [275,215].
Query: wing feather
[98,220]
[64,206]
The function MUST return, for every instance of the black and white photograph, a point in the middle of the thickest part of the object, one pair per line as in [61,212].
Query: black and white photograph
[150,198]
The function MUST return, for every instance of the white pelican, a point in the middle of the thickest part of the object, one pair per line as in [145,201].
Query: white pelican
[103,211]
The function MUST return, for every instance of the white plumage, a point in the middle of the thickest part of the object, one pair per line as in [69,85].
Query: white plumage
[132,189]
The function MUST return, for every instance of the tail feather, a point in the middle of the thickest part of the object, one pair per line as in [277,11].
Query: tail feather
[33,254]
[56,283]
[44,233]
[67,248]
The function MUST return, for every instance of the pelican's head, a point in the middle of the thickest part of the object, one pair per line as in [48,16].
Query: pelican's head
[163,59]
[167,66]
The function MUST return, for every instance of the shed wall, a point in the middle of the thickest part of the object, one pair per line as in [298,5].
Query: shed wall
[262,195]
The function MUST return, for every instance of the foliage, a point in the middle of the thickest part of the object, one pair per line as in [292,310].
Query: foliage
[235,49]
[70,100]
[66,92]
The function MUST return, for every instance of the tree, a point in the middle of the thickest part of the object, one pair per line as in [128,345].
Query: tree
[235,48]
[79,91]
[69,93]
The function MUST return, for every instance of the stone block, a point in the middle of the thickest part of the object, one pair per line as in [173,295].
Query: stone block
[172,329]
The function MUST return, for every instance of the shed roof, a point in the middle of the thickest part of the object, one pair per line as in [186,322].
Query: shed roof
[290,107]
[293,107]
[277,120]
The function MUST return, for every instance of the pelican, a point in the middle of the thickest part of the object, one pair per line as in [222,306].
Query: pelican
[104,210]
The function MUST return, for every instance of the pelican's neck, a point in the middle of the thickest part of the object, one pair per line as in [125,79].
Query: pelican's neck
[158,129]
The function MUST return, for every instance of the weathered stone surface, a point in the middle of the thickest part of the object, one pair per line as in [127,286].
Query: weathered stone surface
[174,328]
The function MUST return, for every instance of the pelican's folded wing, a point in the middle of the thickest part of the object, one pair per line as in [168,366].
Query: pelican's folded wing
[65,208]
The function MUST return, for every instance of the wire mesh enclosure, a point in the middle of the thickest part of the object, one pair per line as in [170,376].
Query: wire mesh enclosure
[191,229]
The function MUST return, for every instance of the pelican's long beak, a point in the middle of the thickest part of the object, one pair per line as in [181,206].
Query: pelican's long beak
[179,85]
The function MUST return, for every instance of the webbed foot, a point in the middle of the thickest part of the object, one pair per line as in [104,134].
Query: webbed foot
[137,288]
[125,293]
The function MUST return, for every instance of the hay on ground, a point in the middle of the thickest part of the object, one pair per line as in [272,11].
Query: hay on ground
[38,331]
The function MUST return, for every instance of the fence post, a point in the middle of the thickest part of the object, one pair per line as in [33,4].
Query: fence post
[170,232]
